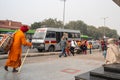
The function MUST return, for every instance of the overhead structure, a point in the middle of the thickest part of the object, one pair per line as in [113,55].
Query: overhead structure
[117,2]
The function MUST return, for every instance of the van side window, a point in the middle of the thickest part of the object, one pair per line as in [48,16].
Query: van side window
[73,35]
[77,35]
[50,34]
[70,35]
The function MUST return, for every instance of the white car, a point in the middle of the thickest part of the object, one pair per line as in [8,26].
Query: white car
[95,44]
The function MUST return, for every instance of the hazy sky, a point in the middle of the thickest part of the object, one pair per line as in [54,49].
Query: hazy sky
[91,12]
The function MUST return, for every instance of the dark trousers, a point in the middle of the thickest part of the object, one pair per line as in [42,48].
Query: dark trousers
[72,50]
[90,51]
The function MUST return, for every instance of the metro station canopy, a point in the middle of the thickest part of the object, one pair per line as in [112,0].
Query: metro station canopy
[117,2]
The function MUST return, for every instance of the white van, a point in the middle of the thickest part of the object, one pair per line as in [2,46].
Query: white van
[47,39]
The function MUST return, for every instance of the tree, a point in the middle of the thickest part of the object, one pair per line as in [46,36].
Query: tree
[93,32]
[77,25]
[35,25]
[111,33]
[52,23]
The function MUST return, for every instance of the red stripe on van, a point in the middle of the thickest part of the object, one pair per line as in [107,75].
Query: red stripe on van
[46,41]
[50,41]
[53,41]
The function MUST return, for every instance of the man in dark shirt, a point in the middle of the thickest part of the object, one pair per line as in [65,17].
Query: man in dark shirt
[63,46]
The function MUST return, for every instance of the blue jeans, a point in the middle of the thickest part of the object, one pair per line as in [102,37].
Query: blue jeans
[104,53]
[63,52]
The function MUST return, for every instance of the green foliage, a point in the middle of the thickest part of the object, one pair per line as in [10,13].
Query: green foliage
[35,25]
[93,31]
[108,32]
[47,22]
[52,23]
[77,25]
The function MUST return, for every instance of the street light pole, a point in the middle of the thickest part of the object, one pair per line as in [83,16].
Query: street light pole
[63,13]
[104,25]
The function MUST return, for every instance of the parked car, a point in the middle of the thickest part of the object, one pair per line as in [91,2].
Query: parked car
[95,44]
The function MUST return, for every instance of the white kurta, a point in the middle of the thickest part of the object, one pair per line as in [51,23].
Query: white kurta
[113,54]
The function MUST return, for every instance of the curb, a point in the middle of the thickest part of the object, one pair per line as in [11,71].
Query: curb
[5,56]
[37,54]
[41,54]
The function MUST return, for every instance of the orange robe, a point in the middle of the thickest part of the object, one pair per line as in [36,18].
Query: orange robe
[14,57]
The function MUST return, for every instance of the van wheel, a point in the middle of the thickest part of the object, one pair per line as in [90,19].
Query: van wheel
[51,49]
[39,50]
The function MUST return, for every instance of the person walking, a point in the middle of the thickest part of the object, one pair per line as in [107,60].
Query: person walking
[113,54]
[84,47]
[15,53]
[79,43]
[67,47]
[63,46]
[104,48]
[90,47]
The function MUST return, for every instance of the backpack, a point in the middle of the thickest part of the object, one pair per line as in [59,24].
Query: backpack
[6,42]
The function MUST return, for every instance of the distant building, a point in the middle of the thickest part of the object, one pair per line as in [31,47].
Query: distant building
[9,24]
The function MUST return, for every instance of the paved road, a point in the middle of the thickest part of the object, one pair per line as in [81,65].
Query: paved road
[54,68]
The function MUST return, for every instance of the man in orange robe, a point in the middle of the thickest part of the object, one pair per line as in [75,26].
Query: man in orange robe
[15,53]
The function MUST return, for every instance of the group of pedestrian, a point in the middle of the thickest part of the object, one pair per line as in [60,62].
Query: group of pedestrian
[73,47]
[67,48]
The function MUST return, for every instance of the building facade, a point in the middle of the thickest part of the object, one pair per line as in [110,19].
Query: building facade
[9,24]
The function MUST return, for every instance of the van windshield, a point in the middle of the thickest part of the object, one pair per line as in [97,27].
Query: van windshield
[39,35]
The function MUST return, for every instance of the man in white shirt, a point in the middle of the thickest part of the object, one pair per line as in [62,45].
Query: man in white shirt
[73,45]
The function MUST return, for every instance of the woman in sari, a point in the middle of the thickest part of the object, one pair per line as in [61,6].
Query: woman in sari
[113,54]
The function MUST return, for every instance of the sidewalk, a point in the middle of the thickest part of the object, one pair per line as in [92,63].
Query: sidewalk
[59,69]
